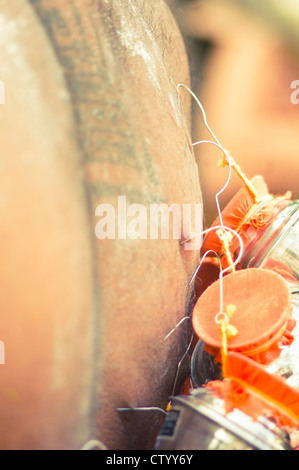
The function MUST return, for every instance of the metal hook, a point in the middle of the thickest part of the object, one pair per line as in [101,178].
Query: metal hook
[143,408]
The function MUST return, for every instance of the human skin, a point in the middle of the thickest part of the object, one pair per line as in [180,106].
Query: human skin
[91,113]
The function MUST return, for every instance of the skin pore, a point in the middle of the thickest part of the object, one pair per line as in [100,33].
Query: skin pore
[91,114]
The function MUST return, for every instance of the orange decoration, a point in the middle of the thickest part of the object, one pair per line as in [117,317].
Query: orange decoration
[250,388]
[246,214]
[235,211]
[262,316]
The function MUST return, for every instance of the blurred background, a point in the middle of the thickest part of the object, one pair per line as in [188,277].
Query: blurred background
[244,57]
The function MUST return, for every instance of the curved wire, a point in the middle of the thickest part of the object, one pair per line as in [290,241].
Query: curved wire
[216,143]
[217,227]
[143,408]
[180,363]
[201,108]
[221,226]
[202,259]
[176,326]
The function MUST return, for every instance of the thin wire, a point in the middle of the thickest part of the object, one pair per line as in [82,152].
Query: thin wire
[189,317]
[180,363]
[217,143]
[217,227]
[143,408]
[177,325]
[201,108]
[185,353]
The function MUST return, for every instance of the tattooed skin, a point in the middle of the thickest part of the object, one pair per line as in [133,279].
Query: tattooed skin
[84,41]
[105,122]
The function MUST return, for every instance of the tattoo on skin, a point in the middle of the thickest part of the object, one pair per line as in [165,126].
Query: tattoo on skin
[80,38]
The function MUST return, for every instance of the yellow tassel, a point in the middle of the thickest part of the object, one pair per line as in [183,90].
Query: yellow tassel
[226,238]
[227,331]
[223,162]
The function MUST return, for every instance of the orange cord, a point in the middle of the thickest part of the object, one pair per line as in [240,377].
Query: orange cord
[226,239]
[242,175]
[227,331]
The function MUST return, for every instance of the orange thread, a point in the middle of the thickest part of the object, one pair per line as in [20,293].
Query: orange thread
[242,175]
[227,331]
[271,401]
[226,239]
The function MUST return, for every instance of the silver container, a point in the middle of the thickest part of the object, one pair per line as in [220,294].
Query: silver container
[199,422]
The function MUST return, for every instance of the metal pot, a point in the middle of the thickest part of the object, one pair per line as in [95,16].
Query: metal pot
[199,422]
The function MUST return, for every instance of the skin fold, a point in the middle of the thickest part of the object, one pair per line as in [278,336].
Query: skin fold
[91,113]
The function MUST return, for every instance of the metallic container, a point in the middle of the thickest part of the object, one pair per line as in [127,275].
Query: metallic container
[199,422]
